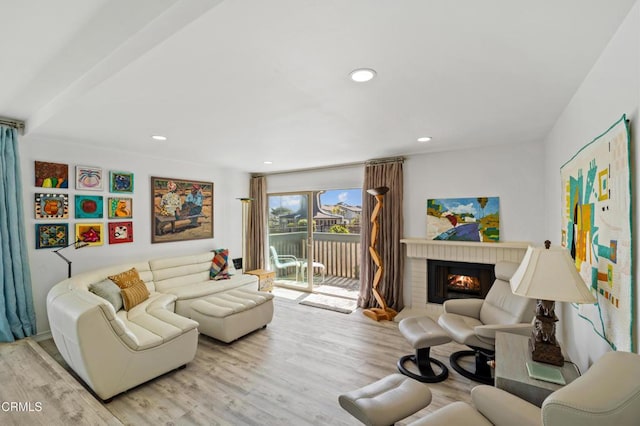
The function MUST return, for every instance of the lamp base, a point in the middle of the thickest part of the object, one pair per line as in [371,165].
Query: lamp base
[379,314]
[546,352]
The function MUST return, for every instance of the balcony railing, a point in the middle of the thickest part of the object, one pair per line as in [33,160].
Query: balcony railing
[339,253]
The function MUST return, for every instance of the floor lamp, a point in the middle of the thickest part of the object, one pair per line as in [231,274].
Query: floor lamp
[383,312]
[246,203]
[79,244]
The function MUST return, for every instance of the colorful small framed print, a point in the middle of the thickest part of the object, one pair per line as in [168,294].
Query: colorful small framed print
[51,175]
[90,233]
[119,208]
[120,181]
[120,232]
[52,235]
[52,206]
[89,207]
[89,178]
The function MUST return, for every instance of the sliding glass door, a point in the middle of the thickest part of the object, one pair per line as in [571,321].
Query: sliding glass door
[290,239]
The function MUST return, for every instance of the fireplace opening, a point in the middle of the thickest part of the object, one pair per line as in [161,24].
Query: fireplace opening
[457,280]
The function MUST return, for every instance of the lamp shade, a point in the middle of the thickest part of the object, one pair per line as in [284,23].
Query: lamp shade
[550,274]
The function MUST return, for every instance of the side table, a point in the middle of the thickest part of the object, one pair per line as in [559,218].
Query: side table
[265,279]
[512,354]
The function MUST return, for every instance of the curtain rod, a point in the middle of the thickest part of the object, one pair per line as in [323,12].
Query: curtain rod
[384,160]
[333,167]
[311,169]
[11,122]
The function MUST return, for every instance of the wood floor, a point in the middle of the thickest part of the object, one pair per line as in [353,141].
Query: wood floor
[289,373]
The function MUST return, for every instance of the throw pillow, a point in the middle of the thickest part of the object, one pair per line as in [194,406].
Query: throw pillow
[127,278]
[134,295]
[108,290]
[219,265]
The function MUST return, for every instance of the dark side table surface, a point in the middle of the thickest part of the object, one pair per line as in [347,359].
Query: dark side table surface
[512,355]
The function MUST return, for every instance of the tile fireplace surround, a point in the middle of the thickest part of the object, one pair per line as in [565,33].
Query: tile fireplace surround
[418,251]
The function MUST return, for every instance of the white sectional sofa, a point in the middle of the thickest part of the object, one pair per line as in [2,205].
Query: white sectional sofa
[115,351]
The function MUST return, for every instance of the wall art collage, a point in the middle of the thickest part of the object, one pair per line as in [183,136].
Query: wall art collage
[52,204]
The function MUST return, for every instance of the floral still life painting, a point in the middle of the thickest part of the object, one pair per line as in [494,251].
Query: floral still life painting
[120,208]
[90,233]
[89,178]
[89,207]
[52,235]
[181,210]
[120,232]
[464,219]
[52,206]
[51,175]
[120,182]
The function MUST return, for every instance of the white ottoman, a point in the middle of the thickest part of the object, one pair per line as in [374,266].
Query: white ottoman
[232,314]
[384,402]
[423,333]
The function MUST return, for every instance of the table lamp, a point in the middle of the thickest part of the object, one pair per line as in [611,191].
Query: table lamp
[79,244]
[548,274]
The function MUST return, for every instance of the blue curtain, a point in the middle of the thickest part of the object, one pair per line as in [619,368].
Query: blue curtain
[17,317]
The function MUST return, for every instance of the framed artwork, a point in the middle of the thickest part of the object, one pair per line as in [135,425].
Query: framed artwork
[89,206]
[52,235]
[120,182]
[89,178]
[51,175]
[464,219]
[596,229]
[119,208]
[51,206]
[181,210]
[120,232]
[90,233]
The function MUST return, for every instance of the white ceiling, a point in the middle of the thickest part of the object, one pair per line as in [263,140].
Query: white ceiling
[238,82]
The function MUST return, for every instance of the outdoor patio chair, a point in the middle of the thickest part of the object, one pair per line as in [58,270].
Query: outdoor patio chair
[285,261]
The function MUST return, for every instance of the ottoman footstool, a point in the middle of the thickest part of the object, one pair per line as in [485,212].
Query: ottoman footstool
[423,333]
[232,314]
[386,401]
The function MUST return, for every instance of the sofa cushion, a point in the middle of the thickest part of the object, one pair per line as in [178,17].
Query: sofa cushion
[109,291]
[134,295]
[127,278]
[220,265]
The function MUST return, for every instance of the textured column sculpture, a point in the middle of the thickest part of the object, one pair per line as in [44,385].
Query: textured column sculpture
[383,312]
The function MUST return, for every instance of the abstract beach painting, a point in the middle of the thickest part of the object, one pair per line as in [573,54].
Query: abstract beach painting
[464,219]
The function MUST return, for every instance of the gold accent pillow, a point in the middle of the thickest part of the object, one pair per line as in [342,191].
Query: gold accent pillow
[134,295]
[127,278]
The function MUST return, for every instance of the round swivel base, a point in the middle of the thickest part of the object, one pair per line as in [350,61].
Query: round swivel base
[427,375]
[483,371]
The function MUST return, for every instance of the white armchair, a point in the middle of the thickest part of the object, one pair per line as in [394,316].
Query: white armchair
[285,261]
[474,322]
[607,394]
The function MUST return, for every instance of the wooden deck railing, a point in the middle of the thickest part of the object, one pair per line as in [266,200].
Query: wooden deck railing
[339,253]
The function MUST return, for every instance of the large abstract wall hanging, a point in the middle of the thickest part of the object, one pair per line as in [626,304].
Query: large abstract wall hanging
[596,229]
[464,219]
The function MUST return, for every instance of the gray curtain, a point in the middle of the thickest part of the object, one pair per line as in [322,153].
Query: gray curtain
[383,173]
[257,224]
[17,316]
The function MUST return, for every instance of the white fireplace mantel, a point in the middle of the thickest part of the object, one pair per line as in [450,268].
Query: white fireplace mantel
[419,250]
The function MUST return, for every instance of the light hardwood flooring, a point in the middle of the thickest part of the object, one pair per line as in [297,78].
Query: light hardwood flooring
[289,373]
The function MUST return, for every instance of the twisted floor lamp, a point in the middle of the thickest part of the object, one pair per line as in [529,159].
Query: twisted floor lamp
[383,312]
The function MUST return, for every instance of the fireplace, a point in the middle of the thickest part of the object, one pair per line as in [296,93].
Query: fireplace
[458,280]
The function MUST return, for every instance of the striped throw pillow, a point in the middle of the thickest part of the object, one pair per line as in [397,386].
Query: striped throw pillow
[134,295]
[219,265]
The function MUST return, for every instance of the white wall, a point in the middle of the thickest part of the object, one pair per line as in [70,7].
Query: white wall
[511,172]
[48,269]
[610,89]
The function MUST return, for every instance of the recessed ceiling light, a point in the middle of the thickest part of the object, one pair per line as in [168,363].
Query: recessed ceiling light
[361,75]
[424,139]
[268,162]
[159,137]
